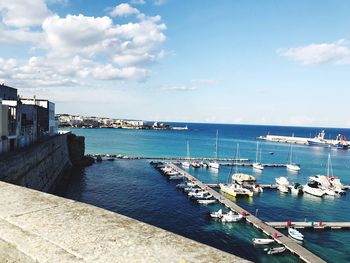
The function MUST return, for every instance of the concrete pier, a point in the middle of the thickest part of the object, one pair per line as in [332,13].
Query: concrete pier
[39,227]
[311,225]
[290,244]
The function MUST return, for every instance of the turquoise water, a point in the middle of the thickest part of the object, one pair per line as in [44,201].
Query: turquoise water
[136,189]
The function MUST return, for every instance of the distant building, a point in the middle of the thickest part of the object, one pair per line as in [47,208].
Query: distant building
[7,93]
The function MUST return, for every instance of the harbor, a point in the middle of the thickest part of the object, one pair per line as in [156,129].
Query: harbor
[311,225]
[280,238]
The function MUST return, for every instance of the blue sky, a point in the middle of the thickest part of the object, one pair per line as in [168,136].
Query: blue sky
[255,62]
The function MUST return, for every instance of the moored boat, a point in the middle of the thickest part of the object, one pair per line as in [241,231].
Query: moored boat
[262,241]
[231,217]
[217,214]
[275,250]
[295,234]
[206,201]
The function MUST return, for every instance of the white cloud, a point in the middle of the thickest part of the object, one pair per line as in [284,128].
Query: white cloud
[23,13]
[336,53]
[204,82]
[137,2]
[159,2]
[124,10]
[178,88]
[79,48]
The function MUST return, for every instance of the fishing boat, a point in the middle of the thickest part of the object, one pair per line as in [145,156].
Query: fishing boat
[231,217]
[340,142]
[283,184]
[262,241]
[295,234]
[275,250]
[217,214]
[319,140]
[186,164]
[258,165]
[215,164]
[292,166]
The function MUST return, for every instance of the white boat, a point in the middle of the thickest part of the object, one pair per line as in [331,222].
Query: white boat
[292,166]
[215,164]
[275,250]
[313,188]
[217,214]
[185,184]
[231,217]
[195,165]
[235,190]
[176,177]
[283,184]
[243,178]
[296,189]
[185,164]
[257,188]
[295,234]
[329,183]
[196,192]
[206,201]
[262,241]
[258,165]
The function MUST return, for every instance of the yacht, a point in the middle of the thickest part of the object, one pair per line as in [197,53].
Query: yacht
[314,188]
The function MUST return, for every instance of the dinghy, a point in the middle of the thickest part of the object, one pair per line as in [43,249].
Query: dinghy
[217,214]
[206,201]
[262,241]
[231,217]
[275,250]
[295,234]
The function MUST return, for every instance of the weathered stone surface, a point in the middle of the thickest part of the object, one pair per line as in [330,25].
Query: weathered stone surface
[46,228]
[76,146]
[38,166]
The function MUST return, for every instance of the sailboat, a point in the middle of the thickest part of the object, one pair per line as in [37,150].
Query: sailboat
[186,163]
[215,164]
[257,165]
[292,166]
[235,188]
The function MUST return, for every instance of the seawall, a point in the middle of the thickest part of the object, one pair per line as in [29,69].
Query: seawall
[40,227]
[42,165]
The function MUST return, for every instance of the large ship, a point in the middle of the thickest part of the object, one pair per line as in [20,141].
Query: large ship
[319,140]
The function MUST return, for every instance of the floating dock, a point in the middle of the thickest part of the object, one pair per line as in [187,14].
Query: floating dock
[290,244]
[311,225]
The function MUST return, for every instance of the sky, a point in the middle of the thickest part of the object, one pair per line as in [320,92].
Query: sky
[227,61]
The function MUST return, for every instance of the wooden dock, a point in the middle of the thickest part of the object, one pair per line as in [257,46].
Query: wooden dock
[311,225]
[291,245]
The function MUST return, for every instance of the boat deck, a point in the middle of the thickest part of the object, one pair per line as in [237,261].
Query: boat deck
[291,245]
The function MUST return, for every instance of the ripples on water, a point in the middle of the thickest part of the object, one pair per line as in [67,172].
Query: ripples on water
[136,189]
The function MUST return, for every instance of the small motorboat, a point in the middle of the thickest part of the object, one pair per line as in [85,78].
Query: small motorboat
[217,214]
[176,177]
[271,153]
[262,241]
[206,201]
[296,189]
[231,217]
[195,165]
[295,234]
[275,250]
[185,184]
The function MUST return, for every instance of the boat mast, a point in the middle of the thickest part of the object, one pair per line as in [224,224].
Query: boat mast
[257,152]
[237,156]
[216,144]
[188,151]
[329,166]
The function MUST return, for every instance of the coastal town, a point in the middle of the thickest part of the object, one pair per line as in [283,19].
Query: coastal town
[79,121]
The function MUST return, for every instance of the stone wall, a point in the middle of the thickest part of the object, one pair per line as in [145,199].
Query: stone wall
[39,166]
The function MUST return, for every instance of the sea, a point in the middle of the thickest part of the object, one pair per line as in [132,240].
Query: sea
[135,189]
